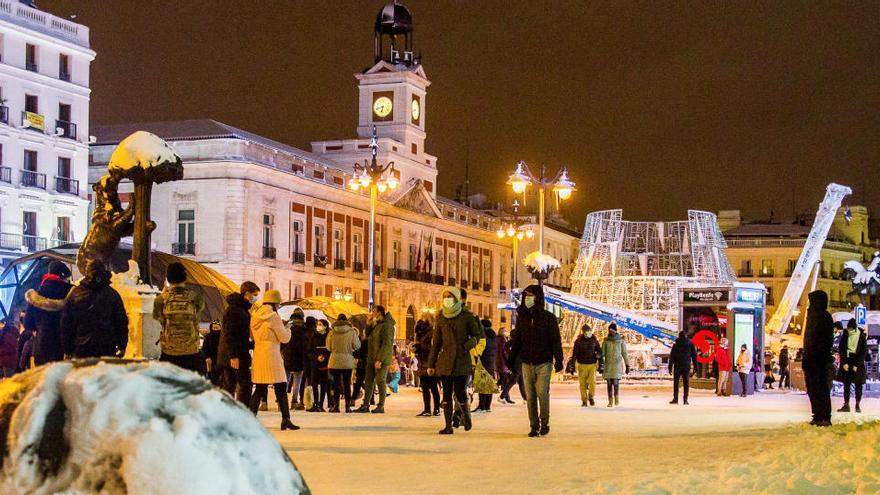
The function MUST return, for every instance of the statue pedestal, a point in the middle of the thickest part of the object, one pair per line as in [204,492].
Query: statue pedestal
[143,330]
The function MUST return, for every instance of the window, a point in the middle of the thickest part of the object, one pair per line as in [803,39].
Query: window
[297,241]
[395,255]
[29,229]
[319,240]
[319,291]
[30,57]
[30,160]
[186,232]
[338,253]
[746,267]
[31,104]
[415,149]
[297,291]
[64,67]
[450,266]
[62,229]
[357,246]
[64,112]
[791,266]
[64,168]
[463,267]
[475,269]
[487,273]
[413,256]
[268,227]
[767,267]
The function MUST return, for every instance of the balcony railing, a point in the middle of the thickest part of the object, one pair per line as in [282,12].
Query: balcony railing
[298,258]
[338,264]
[68,129]
[18,242]
[450,282]
[788,242]
[67,185]
[64,75]
[475,286]
[410,275]
[357,267]
[395,273]
[438,279]
[6,175]
[425,277]
[745,273]
[29,178]
[180,248]
[766,273]
[320,261]
[268,252]
[463,283]
[487,287]
[31,66]
[4,114]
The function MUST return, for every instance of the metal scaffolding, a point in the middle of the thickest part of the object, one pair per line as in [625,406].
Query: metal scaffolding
[639,266]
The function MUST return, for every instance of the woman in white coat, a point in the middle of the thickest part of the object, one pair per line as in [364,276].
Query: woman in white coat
[269,332]
[743,367]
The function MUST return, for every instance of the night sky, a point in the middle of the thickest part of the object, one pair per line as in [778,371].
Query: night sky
[656,107]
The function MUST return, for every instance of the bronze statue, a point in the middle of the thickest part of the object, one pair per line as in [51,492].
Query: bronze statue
[144,159]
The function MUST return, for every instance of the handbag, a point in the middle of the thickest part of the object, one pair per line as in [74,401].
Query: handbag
[483,381]
[308,399]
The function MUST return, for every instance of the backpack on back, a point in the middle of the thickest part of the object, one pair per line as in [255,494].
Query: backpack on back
[180,336]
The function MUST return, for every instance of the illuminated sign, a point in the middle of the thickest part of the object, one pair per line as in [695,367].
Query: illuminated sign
[706,296]
[750,296]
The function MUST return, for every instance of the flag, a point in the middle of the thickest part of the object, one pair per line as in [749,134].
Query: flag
[429,255]
[419,257]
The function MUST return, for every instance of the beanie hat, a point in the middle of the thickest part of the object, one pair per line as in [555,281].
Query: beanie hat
[59,269]
[272,297]
[176,273]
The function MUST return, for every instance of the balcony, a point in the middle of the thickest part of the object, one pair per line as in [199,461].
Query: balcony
[67,185]
[268,253]
[6,175]
[357,267]
[475,286]
[182,248]
[425,277]
[395,273]
[18,242]
[298,258]
[450,282]
[64,75]
[320,261]
[68,129]
[463,284]
[31,67]
[438,279]
[29,178]
[766,274]
[745,273]
[4,114]
[410,275]
[338,264]
[487,287]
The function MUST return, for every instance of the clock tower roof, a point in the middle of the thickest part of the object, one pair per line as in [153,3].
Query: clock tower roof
[394,18]
[393,36]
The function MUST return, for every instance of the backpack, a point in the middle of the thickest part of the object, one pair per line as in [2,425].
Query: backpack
[179,336]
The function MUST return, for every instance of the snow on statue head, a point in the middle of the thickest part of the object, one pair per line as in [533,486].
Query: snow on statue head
[145,153]
[126,427]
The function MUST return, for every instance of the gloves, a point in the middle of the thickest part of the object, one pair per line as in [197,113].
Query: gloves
[557,366]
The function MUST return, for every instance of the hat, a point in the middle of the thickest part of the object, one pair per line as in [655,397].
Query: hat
[59,269]
[272,297]
[612,326]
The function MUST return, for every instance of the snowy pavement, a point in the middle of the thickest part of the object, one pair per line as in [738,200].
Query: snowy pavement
[759,444]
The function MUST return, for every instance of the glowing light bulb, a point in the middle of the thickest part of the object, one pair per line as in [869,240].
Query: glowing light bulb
[511,231]
[500,233]
[564,193]
[392,181]
[519,187]
[382,186]
[530,234]
[354,184]
[520,235]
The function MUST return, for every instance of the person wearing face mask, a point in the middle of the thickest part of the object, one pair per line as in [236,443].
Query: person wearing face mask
[318,354]
[380,342]
[681,357]
[853,350]
[538,344]
[210,344]
[586,355]
[505,376]
[722,357]
[233,352]
[743,367]
[430,384]
[268,366]
[456,332]
[616,363]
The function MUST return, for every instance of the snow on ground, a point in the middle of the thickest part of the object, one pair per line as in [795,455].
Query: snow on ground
[717,445]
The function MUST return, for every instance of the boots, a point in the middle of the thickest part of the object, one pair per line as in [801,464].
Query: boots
[616,399]
[285,415]
[858,409]
[845,408]
[254,405]
[447,415]
[466,417]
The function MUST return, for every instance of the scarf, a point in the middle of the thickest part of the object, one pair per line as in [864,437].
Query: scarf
[454,311]
[852,342]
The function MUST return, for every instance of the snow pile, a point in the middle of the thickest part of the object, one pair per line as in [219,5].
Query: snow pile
[537,262]
[141,149]
[133,428]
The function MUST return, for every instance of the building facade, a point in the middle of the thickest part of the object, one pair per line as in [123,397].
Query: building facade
[44,129]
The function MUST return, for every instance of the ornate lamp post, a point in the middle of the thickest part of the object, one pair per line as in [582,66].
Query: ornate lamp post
[522,177]
[516,233]
[378,179]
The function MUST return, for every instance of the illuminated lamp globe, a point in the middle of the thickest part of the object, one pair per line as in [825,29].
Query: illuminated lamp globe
[530,234]
[354,184]
[500,232]
[564,186]
[520,235]
[519,180]
[392,180]
[511,231]
[382,186]
[365,179]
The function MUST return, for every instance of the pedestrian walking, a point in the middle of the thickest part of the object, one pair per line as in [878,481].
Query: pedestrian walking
[379,354]
[430,384]
[722,358]
[615,363]
[210,344]
[360,364]
[24,345]
[506,378]
[43,316]
[342,341]
[586,359]
[743,367]
[178,309]
[487,360]
[784,371]
[233,354]
[316,350]
[853,351]
[456,332]
[93,322]
[8,350]
[538,345]
[294,355]
[681,357]
[818,341]
[269,332]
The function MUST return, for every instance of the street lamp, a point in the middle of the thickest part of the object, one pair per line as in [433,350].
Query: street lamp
[516,234]
[379,179]
[522,177]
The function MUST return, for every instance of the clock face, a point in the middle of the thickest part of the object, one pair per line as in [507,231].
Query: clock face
[382,106]
[416,110]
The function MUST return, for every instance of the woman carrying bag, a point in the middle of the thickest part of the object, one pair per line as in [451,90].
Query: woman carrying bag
[269,332]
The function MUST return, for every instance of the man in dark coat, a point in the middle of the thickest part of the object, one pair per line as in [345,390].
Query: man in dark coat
[430,384]
[25,338]
[784,372]
[210,346]
[293,353]
[853,352]
[233,355]
[44,313]
[538,344]
[818,341]
[94,323]
[360,367]
[681,357]
[586,359]
[487,359]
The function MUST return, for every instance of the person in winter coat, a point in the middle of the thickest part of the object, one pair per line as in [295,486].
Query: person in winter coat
[487,359]
[94,323]
[178,309]
[378,358]
[360,364]
[318,355]
[342,342]
[681,357]
[8,350]
[818,341]
[210,344]
[784,372]
[743,367]
[269,333]
[233,354]
[43,316]
[586,359]
[538,344]
[506,378]
[294,354]
[722,357]
[853,351]
[430,384]
[615,363]
[25,337]
[456,332]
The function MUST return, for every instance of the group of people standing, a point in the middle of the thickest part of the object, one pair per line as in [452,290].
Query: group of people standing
[610,359]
